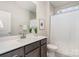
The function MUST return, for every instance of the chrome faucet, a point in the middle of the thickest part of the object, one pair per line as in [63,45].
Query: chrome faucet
[23,31]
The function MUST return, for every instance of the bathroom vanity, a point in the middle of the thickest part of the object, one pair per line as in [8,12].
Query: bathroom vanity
[28,47]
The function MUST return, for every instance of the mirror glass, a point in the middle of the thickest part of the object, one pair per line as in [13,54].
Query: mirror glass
[16,16]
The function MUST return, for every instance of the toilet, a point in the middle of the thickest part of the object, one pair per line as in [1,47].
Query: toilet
[51,50]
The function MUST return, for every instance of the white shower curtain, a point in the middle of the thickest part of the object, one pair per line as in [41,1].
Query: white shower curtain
[65,32]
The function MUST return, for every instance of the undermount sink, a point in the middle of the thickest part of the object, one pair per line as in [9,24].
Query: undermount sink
[2,39]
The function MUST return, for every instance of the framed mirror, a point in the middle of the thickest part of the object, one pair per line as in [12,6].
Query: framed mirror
[15,16]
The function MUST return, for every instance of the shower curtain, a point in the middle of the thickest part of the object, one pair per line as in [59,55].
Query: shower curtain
[65,32]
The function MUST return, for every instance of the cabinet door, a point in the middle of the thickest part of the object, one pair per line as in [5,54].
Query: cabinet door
[44,50]
[34,53]
[16,53]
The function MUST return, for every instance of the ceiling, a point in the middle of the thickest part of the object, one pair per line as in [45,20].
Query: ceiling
[60,4]
[29,5]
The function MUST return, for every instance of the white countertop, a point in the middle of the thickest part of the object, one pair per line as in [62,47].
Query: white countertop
[13,42]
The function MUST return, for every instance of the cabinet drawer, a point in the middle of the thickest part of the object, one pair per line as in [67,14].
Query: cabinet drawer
[16,53]
[43,41]
[32,46]
[34,53]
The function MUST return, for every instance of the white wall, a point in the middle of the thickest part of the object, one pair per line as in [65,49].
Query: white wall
[41,13]
[18,15]
[44,11]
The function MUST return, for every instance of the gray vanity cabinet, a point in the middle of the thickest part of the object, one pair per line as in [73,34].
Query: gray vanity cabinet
[35,49]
